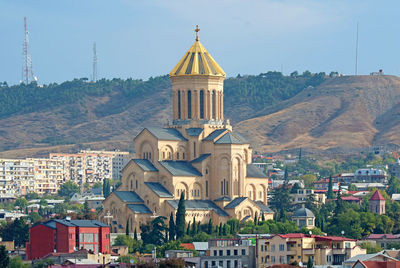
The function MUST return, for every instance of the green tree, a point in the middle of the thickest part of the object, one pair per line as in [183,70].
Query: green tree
[309,180]
[281,200]
[220,229]
[21,202]
[127,227]
[106,188]
[310,263]
[210,226]
[371,248]
[286,174]
[17,262]
[135,235]
[17,231]
[172,227]
[4,258]
[194,226]
[180,217]
[68,189]
[154,233]
[34,217]
[330,194]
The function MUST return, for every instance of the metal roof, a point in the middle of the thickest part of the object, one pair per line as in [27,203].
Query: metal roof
[81,223]
[215,134]
[180,168]
[303,212]
[170,134]
[128,196]
[194,132]
[254,172]
[197,61]
[159,189]
[199,205]
[145,164]
[263,207]
[223,198]
[200,158]
[235,202]
[139,208]
[229,138]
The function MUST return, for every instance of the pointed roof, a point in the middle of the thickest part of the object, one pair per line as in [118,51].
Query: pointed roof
[197,61]
[377,196]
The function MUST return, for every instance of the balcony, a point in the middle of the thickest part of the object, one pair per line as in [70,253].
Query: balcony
[291,252]
[309,251]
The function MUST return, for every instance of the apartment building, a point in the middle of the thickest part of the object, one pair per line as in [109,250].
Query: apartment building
[230,253]
[302,195]
[16,176]
[49,174]
[93,166]
[297,248]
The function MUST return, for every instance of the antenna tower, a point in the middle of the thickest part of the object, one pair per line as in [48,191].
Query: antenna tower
[356,67]
[27,70]
[94,75]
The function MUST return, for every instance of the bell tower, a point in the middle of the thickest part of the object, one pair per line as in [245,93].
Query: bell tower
[197,87]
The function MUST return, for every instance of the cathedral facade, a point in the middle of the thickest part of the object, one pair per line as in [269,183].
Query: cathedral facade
[197,154]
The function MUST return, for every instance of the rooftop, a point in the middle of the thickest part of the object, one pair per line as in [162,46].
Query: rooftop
[158,189]
[128,196]
[170,134]
[377,196]
[145,164]
[255,172]
[199,205]
[180,168]
[303,212]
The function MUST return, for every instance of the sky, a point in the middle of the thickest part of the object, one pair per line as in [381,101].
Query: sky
[141,39]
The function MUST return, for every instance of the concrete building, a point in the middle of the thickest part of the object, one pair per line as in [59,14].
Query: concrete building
[235,253]
[197,155]
[384,240]
[49,175]
[370,175]
[297,248]
[302,195]
[16,176]
[67,236]
[377,203]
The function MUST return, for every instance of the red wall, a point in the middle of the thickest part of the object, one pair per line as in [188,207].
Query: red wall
[65,243]
[104,239]
[41,242]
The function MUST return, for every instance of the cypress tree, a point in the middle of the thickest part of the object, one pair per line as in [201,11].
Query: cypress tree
[135,235]
[300,155]
[171,227]
[220,229]
[330,188]
[225,230]
[188,229]
[198,227]
[210,226]
[194,226]
[262,217]
[310,263]
[255,219]
[180,217]
[127,227]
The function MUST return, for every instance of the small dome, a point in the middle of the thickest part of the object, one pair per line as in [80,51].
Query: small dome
[303,212]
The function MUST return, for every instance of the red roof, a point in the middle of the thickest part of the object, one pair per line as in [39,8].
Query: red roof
[332,238]
[381,264]
[377,196]
[187,245]
[380,236]
[350,198]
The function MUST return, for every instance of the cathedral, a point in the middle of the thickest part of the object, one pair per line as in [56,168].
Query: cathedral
[197,154]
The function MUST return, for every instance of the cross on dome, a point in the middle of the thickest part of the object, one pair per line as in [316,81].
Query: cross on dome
[197,30]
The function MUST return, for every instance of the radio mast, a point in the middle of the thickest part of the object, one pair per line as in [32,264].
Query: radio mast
[94,75]
[27,70]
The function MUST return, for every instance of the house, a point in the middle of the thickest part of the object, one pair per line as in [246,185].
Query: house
[229,252]
[303,194]
[380,256]
[370,175]
[364,186]
[304,218]
[384,240]
[377,264]
[352,199]
[323,184]
[67,236]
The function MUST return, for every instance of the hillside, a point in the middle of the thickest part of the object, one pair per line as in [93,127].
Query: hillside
[340,114]
[273,111]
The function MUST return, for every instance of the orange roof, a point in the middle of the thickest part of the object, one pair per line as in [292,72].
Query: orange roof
[377,196]
[187,245]
[381,264]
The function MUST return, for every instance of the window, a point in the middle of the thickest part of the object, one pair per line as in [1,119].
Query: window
[215,253]
[194,149]
[177,156]
[183,156]
[281,247]
[221,253]
[235,252]
[221,263]
[228,264]
[206,188]
[243,252]
[228,252]
[206,264]
[179,104]
[272,259]
[189,100]
[163,155]
[262,247]
[136,184]
[272,248]
[222,187]
[201,104]
[213,263]
[213,105]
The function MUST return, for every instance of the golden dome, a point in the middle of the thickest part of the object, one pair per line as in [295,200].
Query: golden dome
[197,61]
